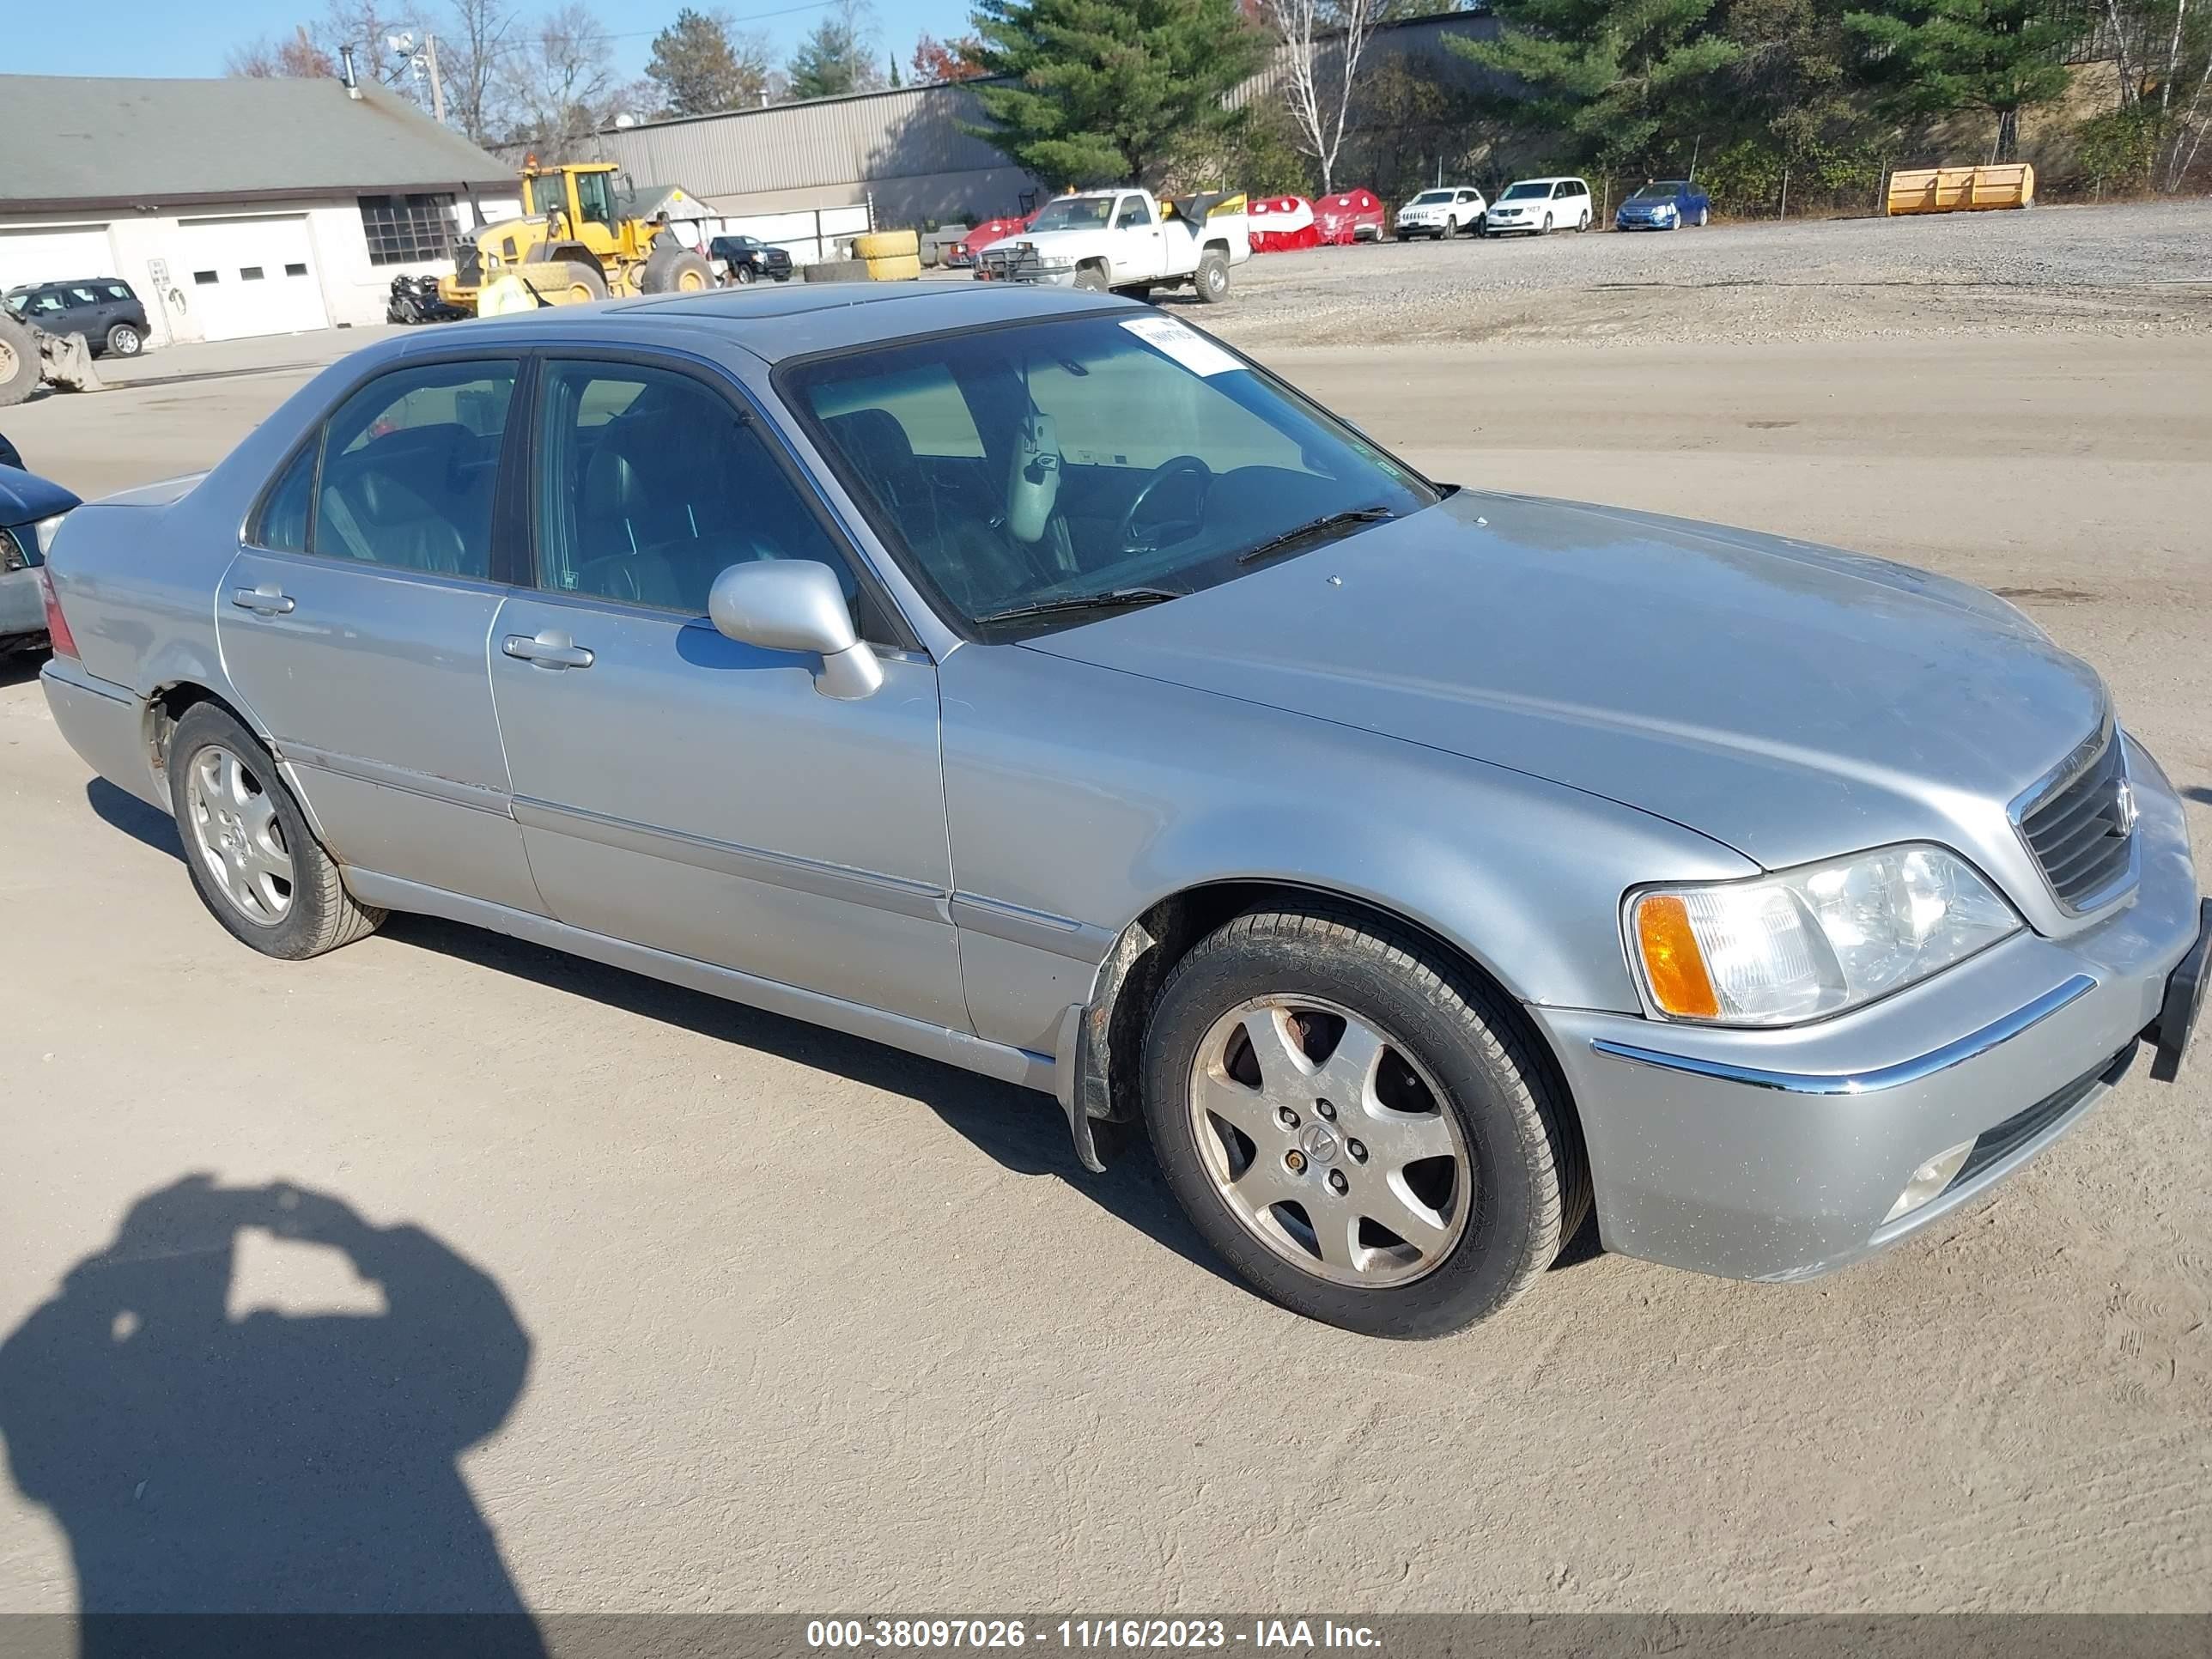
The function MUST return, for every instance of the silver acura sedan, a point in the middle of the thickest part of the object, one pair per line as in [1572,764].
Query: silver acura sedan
[1024,678]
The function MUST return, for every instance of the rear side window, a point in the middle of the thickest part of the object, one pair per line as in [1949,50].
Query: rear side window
[411,467]
[287,508]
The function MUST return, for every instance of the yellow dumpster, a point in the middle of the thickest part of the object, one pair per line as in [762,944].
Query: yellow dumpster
[1961,190]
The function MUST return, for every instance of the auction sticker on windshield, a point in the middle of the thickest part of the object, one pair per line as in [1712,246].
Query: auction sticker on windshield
[1187,346]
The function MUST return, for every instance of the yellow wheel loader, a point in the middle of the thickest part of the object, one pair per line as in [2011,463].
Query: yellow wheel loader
[576,241]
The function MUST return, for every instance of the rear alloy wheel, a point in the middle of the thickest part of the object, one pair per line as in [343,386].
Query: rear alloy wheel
[123,340]
[1366,1139]
[254,863]
[1582,224]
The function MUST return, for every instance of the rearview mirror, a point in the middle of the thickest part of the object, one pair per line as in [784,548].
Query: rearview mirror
[796,604]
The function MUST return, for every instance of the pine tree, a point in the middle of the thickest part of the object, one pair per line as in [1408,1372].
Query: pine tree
[837,55]
[1614,80]
[1997,55]
[701,69]
[1103,90]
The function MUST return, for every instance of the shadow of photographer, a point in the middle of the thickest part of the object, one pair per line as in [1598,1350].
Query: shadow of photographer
[270,1462]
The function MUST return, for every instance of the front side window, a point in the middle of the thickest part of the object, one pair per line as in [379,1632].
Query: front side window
[1058,460]
[403,230]
[410,468]
[650,485]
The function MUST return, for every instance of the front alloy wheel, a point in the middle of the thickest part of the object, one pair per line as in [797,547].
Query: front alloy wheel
[1323,1136]
[1365,1132]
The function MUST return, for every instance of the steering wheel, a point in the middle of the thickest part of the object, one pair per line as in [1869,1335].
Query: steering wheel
[1175,466]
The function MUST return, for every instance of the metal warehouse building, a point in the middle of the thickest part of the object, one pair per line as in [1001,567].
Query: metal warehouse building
[903,150]
[235,207]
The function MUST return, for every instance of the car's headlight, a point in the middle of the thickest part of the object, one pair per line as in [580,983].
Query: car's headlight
[45,530]
[1811,941]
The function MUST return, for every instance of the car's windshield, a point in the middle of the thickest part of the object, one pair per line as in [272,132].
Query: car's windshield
[1430,197]
[1523,192]
[1084,455]
[1664,190]
[1074,213]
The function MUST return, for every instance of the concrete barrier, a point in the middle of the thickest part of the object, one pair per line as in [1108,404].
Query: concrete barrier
[1961,190]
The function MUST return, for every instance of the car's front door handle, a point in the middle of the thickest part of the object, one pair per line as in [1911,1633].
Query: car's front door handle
[262,601]
[549,649]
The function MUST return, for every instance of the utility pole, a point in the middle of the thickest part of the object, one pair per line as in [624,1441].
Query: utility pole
[437,83]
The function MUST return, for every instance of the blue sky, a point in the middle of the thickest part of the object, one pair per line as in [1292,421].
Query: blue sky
[168,39]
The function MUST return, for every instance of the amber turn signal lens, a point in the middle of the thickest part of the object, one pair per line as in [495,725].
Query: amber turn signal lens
[1672,962]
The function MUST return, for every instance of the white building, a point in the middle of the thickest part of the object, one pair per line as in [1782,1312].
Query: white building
[235,207]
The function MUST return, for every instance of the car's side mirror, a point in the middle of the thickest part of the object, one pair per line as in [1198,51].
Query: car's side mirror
[796,604]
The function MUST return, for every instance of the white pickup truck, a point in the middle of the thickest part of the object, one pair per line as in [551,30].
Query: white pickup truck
[1128,241]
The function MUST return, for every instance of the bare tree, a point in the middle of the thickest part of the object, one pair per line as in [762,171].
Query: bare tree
[563,83]
[474,37]
[295,57]
[2162,50]
[369,26]
[1323,42]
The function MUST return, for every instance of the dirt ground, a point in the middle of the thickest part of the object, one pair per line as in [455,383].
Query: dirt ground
[777,1319]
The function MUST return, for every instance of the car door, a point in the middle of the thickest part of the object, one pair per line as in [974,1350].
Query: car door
[676,788]
[1139,249]
[354,623]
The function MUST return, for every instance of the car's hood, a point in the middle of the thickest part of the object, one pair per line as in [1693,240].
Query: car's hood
[26,498]
[1789,700]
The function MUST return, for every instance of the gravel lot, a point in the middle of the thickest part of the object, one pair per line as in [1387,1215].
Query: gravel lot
[791,1322]
[2112,270]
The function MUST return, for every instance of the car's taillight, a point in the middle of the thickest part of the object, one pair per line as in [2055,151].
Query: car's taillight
[57,631]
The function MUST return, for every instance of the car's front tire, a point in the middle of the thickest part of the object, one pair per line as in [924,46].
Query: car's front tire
[253,861]
[1366,1136]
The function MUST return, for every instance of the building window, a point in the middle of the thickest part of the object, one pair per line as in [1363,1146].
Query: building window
[295,271]
[203,278]
[249,274]
[406,230]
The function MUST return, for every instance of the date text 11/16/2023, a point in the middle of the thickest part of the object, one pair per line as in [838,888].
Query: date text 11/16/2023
[1125,1633]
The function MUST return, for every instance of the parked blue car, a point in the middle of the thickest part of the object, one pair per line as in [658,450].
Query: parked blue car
[30,508]
[1664,205]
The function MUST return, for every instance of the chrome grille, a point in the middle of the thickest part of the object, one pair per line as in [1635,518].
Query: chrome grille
[2082,828]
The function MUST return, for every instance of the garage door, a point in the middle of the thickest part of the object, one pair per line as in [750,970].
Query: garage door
[248,276]
[52,254]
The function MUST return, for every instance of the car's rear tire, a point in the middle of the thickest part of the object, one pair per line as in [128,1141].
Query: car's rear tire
[1211,277]
[254,862]
[1704,215]
[124,341]
[1295,1155]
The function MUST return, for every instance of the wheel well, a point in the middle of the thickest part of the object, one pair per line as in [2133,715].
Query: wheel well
[1148,949]
[166,707]
[1218,245]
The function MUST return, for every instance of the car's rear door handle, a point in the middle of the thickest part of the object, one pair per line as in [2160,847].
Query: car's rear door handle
[549,649]
[262,601]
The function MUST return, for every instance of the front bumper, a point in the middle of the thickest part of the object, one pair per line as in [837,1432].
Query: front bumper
[1778,1154]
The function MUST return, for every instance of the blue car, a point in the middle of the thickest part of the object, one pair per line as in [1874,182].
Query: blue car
[1664,205]
[30,508]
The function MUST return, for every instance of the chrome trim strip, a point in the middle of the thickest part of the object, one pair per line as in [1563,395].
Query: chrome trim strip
[1039,929]
[896,893]
[1861,1083]
[474,797]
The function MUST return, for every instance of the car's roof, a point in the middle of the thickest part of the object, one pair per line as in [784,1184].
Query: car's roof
[795,319]
[1551,179]
[62,282]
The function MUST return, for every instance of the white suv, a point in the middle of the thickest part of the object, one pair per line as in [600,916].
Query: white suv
[1449,210]
[1540,206]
